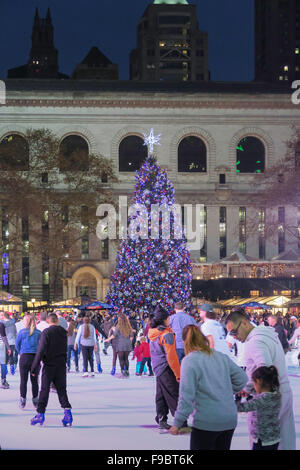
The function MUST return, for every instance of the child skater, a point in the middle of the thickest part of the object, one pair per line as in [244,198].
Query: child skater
[146,356]
[265,407]
[137,353]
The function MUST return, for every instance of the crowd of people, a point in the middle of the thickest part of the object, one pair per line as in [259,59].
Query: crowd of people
[209,367]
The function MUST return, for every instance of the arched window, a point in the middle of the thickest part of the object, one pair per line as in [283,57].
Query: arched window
[132,153]
[297,155]
[192,155]
[74,154]
[14,153]
[250,155]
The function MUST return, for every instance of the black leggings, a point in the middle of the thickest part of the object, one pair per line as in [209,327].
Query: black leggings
[210,440]
[26,361]
[87,355]
[123,359]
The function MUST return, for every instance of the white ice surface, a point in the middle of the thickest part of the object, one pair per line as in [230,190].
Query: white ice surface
[109,414]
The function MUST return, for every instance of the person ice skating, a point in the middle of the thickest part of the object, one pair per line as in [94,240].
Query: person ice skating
[138,355]
[4,346]
[52,351]
[97,353]
[146,357]
[207,382]
[86,337]
[265,408]
[177,322]
[263,348]
[123,335]
[296,336]
[212,329]
[274,322]
[134,326]
[71,350]
[106,325]
[113,343]
[11,334]
[166,367]
[61,320]
[26,345]
[42,324]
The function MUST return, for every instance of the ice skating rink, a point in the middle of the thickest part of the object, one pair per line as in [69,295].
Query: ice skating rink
[109,413]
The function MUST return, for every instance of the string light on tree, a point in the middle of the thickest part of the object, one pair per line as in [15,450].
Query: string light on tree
[151,269]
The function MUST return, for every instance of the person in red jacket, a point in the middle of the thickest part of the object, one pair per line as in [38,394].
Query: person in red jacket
[137,353]
[146,357]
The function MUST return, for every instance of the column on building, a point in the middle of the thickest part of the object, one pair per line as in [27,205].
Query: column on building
[213,241]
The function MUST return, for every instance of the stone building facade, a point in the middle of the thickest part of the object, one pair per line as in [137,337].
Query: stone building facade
[215,117]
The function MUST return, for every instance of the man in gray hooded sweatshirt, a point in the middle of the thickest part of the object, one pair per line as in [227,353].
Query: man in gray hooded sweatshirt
[263,348]
[11,334]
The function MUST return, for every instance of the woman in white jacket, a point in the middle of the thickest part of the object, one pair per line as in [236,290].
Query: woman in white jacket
[86,337]
[263,348]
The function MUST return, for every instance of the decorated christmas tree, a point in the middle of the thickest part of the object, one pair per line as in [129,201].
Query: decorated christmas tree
[153,263]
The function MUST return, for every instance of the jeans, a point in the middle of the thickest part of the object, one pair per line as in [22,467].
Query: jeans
[11,359]
[144,361]
[69,354]
[3,371]
[180,354]
[210,440]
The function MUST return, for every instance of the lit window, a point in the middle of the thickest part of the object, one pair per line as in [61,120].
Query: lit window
[286,68]
[297,50]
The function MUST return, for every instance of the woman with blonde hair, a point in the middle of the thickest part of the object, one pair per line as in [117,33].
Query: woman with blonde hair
[208,381]
[26,345]
[86,337]
[123,335]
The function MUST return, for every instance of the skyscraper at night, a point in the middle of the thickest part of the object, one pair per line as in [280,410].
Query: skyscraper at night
[277,40]
[170,46]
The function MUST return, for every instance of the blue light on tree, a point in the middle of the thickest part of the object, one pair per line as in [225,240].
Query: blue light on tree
[151,270]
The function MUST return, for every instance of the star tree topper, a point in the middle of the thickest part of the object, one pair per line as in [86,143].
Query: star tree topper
[151,140]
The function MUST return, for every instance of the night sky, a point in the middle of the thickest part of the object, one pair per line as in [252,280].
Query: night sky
[111,26]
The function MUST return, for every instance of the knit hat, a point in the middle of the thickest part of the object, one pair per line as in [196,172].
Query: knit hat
[207,308]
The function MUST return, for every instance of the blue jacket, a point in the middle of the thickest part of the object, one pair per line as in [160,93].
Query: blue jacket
[177,322]
[27,344]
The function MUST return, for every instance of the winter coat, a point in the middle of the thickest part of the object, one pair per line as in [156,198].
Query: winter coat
[122,343]
[3,344]
[282,336]
[177,322]
[138,353]
[296,336]
[52,348]
[91,340]
[163,350]
[263,348]
[265,424]
[27,344]
[207,385]
[145,349]
[11,331]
